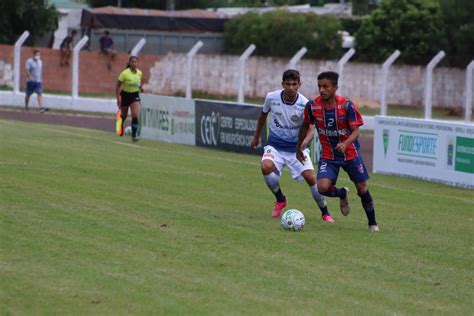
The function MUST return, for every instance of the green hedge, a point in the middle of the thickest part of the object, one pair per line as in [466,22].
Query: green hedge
[279,33]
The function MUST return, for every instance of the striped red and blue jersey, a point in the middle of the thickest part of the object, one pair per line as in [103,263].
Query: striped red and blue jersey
[333,126]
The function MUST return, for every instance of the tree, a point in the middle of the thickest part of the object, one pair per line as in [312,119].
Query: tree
[415,27]
[459,28]
[280,33]
[16,16]
[360,7]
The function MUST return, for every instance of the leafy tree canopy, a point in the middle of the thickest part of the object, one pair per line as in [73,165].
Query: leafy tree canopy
[35,16]
[459,28]
[415,27]
[279,33]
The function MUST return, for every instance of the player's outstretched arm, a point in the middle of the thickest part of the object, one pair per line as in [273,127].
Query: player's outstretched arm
[302,134]
[309,137]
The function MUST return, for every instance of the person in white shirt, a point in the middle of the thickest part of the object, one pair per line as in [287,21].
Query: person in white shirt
[34,67]
[286,107]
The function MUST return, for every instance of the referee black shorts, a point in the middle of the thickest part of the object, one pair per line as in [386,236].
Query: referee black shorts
[129,97]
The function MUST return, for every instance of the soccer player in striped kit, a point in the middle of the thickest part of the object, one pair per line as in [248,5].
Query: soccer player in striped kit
[286,108]
[337,122]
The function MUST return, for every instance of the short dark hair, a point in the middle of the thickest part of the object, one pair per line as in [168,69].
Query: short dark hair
[291,74]
[106,32]
[73,32]
[36,51]
[331,75]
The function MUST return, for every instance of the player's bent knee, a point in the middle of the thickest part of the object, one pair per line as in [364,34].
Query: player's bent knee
[361,187]
[267,167]
[309,177]
[323,187]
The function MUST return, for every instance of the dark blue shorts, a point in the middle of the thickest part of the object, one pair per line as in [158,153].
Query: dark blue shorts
[33,87]
[355,168]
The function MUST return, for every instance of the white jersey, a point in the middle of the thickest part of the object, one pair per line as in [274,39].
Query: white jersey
[285,120]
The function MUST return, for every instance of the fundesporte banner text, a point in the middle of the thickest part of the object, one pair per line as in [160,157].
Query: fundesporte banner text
[434,150]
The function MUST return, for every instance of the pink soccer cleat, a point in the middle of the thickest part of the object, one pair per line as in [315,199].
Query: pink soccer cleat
[327,218]
[278,207]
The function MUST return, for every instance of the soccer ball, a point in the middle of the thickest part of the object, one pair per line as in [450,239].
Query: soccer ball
[292,220]
[128,130]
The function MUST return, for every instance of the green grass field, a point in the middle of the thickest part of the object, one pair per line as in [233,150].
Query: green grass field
[92,224]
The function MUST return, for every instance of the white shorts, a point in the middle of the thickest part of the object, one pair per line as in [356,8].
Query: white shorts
[283,158]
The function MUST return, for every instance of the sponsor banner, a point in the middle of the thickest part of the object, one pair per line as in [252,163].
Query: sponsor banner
[228,126]
[169,119]
[432,150]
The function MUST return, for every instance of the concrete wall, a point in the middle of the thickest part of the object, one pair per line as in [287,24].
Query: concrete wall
[6,74]
[218,74]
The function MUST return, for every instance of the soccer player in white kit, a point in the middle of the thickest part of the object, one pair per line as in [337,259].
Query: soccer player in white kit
[286,108]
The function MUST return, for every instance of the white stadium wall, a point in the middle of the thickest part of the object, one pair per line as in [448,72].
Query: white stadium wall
[218,74]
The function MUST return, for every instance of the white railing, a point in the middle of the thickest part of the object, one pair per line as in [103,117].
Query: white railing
[189,67]
[468,105]
[138,47]
[75,66]
[16,61]
[429,83]
[340,67]
[385,68]
[296,58]
[242,61]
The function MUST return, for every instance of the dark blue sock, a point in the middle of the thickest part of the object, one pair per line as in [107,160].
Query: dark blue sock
[324,210]
[279,196]
[368,205]
[334,192]
[134,127]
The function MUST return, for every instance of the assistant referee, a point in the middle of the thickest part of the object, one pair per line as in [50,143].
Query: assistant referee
[127,91]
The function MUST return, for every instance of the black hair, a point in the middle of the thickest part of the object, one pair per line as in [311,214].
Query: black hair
[291,74]
[330,75]
[73,32]
[129,60]
[106,32]
[36,51]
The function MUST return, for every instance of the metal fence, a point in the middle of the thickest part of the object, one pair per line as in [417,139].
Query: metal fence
[160,43]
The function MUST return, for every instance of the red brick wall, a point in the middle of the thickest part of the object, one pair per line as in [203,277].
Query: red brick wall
[94,76]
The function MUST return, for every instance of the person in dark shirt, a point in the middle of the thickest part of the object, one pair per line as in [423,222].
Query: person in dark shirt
[66,48]
[107,48]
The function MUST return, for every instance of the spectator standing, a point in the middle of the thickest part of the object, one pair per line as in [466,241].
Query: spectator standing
[34,68]
[66,48]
